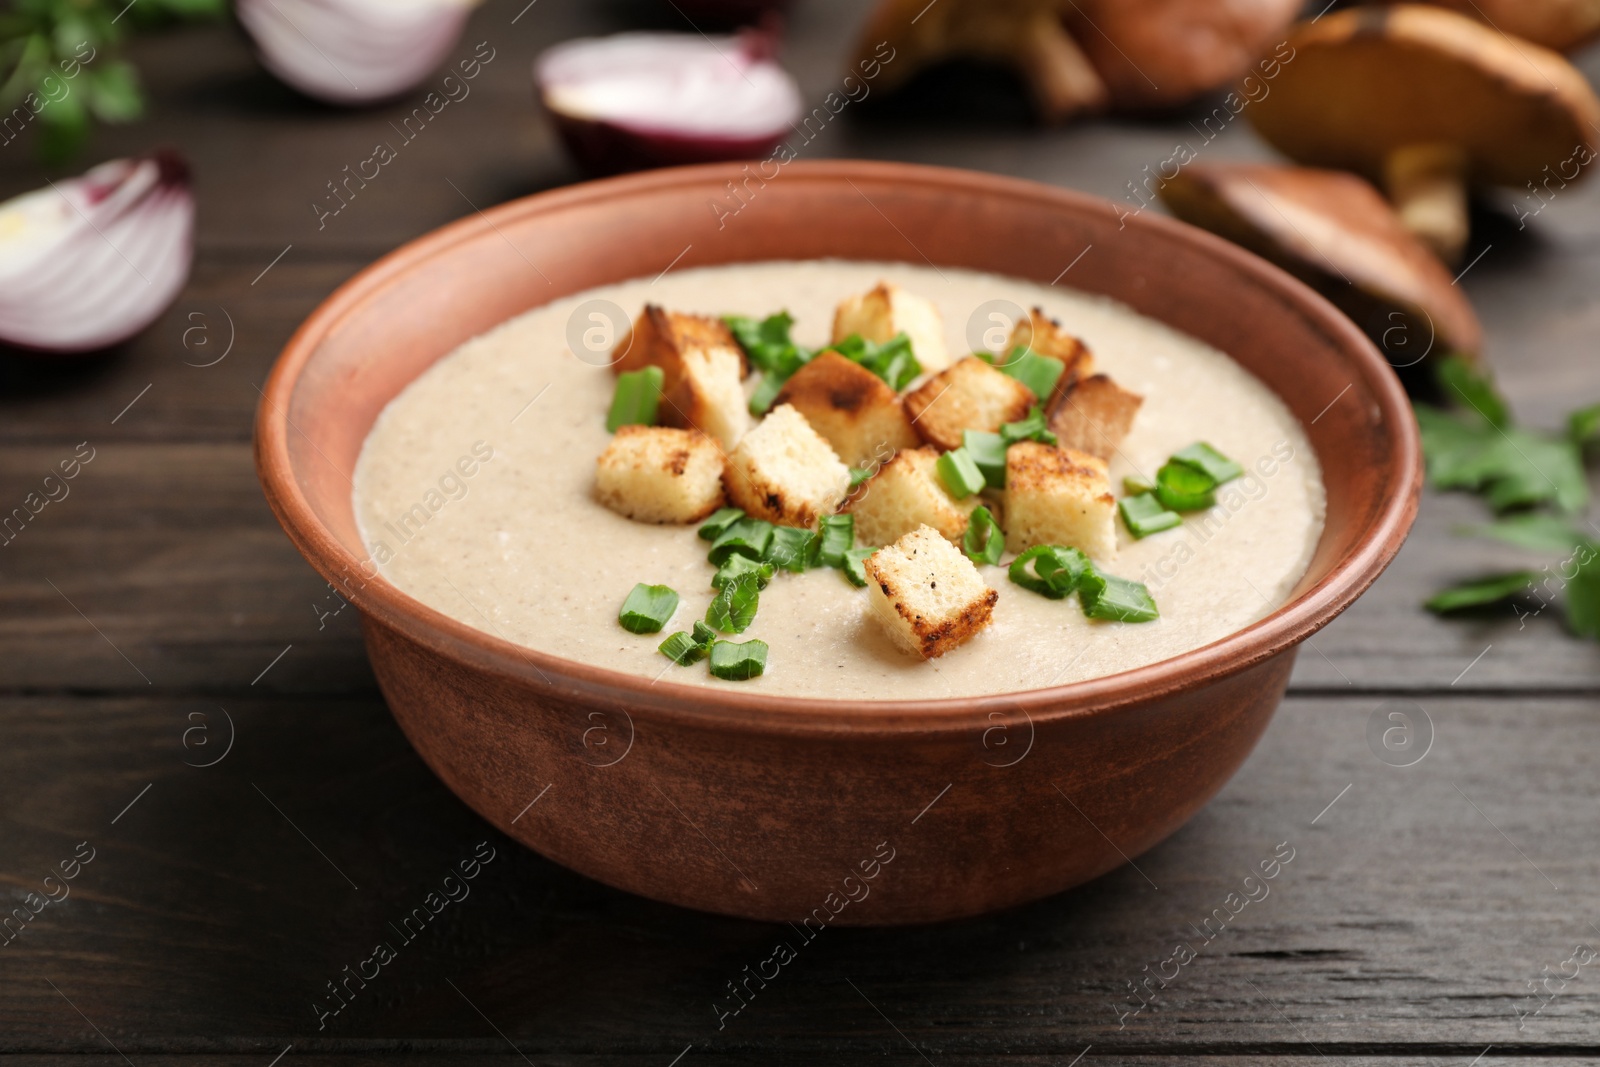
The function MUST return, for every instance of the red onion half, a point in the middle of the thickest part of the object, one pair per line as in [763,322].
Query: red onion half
[656,99]
[89,262]
[353,51]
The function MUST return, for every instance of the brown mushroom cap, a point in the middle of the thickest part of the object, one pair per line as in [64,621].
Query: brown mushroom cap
[1336,233]
[1367,82]
[1559,24]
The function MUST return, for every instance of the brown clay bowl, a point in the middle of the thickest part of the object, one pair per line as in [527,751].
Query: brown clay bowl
[783,808]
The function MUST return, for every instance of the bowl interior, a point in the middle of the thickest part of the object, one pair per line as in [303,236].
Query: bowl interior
[389,324]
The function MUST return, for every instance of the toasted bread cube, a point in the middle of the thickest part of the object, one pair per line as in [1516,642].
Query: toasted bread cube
[1045,336]
[659,338]
[887,310]
[969,395]
[657,474]
[862,418]
[926,594]
[783,471]
[708,395]
[1094,415]
[905,494]
[1059,496]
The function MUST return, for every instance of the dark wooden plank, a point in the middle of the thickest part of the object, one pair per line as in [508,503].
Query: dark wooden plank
[1414,913]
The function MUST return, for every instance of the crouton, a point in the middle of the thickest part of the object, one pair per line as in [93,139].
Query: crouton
[887,310]
[659,338]
[928,596]
[861,417]
[905,494]
[661,475]
[969,395]
[1094,415]
[783,471]
[1045,336]
[707,395]
[1057,496]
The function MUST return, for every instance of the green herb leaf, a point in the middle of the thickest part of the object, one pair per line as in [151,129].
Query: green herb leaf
[766,391]
[854,565]
[960,474]
[1056,570]
[736,662]
[738,566]
[718,523]
[1181,487]
[893,360]
[636,399]
[1583,425]
[767,344]
[1583,593]
[1105,596]
[648,608]
[836,536]
[1536,531]
[1032,428]
[1144,515]
[733,609]
[1209,461]
[988,451]
[1478,592]
[1466,387]
[1038,373]
[1509,466]
[790,548]
[114,92]
[984,541]
[745,536]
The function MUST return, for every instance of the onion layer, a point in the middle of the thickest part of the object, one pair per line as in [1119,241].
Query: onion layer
[656,99]
[353,51]
[91,261]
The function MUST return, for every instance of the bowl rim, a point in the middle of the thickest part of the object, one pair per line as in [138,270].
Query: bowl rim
[1277,632]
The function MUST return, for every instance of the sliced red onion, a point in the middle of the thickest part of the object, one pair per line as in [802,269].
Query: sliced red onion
[655,99]
[89,262]
[353,51]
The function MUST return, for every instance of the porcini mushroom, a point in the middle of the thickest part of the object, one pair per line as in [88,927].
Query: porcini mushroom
[1083,55]
[1335,232]
[1423,101]
[1560,24]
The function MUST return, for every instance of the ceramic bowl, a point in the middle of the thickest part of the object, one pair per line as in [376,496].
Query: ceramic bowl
[818,811]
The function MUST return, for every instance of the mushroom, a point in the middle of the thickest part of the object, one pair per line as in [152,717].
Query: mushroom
[1083,55]
[1422,101]
[1560,24]
[1335,232]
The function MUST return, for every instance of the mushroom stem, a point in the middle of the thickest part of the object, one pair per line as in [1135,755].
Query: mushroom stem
[1060,75]
[1427,184]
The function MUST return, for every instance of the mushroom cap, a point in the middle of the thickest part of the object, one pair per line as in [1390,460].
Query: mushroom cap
[1335,232]
[1559,24]
[1365,82]
[1160,53]
[921,33]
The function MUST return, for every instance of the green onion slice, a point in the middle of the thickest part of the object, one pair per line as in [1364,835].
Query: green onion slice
[836,536]
[1038,373]
[790,548]
[1032,428]
[684,649]
[1105,596]
[766,391]
[988,451]
[1134,484]
[893,360]
[858,475]
[647,608]
[746,536]
[637,396]
[733,609]
[738,566]
[960,474]
[1205,458]
[719,521]
[1144,515]
[737,661]
[1056,570]
[854,565]
[1181,487]
[984,541]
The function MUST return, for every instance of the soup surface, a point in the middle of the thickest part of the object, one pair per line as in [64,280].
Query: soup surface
[519,547]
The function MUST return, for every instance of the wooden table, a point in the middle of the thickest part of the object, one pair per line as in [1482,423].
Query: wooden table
[159,605]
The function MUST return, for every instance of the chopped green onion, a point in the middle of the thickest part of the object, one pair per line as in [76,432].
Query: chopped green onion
[893,360]
[1181,487]
[853,565]
[737,566]
[988,451]
[1032,428]
[738,661]
[1144,515]
[684,649]
[636,399]
[858,475]
[960,474]
[984,541]
[1056,570]
[1038,373]
[647,608]
[1203,457]
[719,521]
[767,344]
[790,548]
[1105,596]
[766,391]
[746,536]
[733,609]
[836,536]
[1134,484]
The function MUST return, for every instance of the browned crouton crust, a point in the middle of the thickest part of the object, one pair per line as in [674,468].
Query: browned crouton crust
[661,475]
[785,472]
[908,601]
[969,395]
[861,417]
[659,338]
[1046,337]
[1095,415]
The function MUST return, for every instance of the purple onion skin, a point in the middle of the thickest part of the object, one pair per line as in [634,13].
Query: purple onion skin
[602,148]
